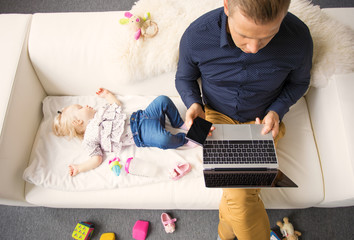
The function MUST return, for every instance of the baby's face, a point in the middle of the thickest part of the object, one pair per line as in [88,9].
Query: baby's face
[79,112]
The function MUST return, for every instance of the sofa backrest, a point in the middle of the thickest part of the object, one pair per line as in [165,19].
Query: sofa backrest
[76,53]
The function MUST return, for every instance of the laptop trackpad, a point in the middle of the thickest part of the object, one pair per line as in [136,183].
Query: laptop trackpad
[237,132]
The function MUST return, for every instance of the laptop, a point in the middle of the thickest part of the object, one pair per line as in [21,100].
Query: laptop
[238,156]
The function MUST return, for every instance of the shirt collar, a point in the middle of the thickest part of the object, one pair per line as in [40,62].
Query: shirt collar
[225,37]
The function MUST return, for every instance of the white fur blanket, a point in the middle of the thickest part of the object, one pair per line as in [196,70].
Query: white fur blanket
[333,42]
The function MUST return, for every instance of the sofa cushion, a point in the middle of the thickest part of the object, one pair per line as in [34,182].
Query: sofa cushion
[299,160]
[48,169]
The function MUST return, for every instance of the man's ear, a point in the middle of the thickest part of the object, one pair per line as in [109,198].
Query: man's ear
[226,7]
[77,122]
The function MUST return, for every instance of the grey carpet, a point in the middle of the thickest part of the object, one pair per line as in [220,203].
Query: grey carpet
[20,223]
[33,6]
[17,223]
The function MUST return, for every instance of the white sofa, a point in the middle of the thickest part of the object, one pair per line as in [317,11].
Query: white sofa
[56,54]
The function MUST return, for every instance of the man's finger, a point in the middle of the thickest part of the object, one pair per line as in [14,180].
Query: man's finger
[211,130]
[267,128]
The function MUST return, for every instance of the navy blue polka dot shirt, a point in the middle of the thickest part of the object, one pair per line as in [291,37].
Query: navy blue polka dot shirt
[243,85]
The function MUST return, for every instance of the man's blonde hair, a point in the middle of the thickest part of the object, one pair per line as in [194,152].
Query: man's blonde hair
[260,11]
[63,126]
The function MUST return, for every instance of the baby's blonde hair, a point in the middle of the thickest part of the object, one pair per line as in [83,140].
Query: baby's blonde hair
[63,126]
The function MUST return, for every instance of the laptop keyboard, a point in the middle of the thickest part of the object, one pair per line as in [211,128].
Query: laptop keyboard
[224,179]
[239,152]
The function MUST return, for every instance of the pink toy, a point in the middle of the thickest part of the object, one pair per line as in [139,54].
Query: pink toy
[115,166]
[140,230]
[168,223]
[140,167]
[180,170]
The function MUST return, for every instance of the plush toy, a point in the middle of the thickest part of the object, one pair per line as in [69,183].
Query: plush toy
[143,27]
[287,230]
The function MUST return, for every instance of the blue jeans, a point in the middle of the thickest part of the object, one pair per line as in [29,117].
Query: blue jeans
[148,126]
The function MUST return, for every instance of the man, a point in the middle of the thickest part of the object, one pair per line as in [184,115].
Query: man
[254,60]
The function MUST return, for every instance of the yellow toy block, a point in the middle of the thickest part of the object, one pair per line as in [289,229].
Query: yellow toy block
[108,236]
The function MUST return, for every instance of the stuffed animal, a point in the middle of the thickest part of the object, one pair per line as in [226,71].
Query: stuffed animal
[143,27]
[287,230]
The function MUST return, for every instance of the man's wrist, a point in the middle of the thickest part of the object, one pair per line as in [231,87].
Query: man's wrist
[274,113]
[197,105]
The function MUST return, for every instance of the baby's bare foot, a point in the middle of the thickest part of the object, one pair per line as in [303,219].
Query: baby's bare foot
[191,144]
[184,127]
[73,170]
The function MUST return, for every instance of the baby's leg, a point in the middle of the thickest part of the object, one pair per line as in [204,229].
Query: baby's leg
[153,134]
[161,106]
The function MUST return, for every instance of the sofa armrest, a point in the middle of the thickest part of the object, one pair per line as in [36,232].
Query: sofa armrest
[20,106]
[331,111]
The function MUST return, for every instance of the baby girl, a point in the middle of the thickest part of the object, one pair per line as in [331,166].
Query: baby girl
[106,130]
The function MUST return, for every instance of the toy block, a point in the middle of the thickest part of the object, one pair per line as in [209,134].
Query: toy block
[140,230]
[83,231]
[108,236]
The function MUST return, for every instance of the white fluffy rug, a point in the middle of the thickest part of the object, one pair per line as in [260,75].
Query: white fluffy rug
[333,42]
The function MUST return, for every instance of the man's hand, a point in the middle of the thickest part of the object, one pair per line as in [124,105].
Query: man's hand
[195,110]
[271,122]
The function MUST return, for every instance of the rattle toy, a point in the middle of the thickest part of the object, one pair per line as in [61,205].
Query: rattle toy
[140,167]
[115,165]
[142,26]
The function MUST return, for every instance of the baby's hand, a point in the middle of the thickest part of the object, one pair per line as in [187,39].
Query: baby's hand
[102,92]
[106,94]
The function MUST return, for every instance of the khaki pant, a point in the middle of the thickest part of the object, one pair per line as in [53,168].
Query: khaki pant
[241,211]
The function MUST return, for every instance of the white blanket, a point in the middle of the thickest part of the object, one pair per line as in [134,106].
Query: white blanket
[52,155]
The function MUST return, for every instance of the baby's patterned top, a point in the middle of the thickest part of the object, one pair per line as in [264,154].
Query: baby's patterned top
[107,131]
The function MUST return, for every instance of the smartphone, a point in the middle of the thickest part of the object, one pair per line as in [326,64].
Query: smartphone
[199,131]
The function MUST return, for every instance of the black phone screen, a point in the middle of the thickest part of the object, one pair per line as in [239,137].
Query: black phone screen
[199,130]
